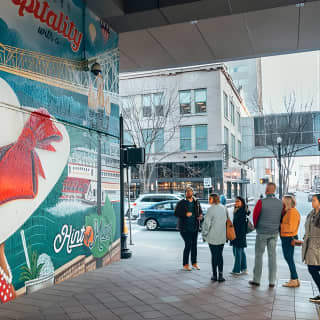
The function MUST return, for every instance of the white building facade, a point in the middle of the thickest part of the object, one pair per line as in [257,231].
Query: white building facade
[205,119]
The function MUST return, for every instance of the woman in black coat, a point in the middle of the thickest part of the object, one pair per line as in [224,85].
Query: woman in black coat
[240,223]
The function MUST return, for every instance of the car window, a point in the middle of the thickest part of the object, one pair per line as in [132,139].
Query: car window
[164,206]
[147,199]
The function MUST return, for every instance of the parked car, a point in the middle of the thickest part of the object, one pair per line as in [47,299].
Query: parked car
[146,200]
[161,215]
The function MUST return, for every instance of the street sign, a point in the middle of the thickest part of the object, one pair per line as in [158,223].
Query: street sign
[207,183]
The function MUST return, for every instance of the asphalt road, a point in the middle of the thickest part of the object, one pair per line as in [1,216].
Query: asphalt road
[158,245]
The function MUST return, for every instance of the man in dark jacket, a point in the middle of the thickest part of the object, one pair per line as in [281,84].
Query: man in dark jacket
[189,214]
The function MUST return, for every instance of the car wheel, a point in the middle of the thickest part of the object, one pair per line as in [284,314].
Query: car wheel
[152,224]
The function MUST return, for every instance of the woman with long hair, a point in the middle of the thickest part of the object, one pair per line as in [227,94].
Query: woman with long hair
[289,231]
[311,245]
[240,223]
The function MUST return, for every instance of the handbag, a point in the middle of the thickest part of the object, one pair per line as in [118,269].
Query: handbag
[250,226]
[231,233]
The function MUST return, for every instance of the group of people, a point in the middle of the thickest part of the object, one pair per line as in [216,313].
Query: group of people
[271,216]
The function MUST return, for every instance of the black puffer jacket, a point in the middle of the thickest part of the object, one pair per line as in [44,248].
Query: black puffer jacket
[182,209]
[240,226]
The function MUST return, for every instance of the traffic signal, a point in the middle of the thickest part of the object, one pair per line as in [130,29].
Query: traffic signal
[264,180]
[319,144]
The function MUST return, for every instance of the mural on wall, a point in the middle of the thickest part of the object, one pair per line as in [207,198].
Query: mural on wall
[54,225]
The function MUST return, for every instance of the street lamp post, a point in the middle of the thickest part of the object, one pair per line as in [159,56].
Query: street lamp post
[279,141]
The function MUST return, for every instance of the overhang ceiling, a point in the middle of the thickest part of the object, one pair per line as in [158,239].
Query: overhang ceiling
[165,33]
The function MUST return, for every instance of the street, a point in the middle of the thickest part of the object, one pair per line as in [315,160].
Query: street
[167,244]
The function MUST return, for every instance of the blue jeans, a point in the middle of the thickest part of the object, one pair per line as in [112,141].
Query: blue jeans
[240,260]
[288,253]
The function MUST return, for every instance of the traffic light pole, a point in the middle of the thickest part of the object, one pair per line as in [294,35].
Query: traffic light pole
[125,252]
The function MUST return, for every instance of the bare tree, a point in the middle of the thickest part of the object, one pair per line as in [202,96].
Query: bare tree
[295,127]
[150,123]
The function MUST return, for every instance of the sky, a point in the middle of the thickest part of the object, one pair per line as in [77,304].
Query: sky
[284,74]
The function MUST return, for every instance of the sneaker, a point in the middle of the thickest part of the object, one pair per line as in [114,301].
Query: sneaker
[271,285]
[252,283]
[315,299]
[186,268]
[235,273]
[244,272]
[195,266]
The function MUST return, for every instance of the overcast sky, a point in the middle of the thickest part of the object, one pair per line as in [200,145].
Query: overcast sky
[284,74]
[297,73]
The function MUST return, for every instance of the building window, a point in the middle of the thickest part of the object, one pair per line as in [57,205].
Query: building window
[225,105]
[159,141]
[239,149]
[202,137]
[185,138]
[226,136]
[232,111]
[233,145]
[200,98]
[146,106]
[158,104]
[238,121]
[185,101]
[147,139]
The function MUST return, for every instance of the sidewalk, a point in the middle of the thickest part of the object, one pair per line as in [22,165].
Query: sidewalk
[151,286]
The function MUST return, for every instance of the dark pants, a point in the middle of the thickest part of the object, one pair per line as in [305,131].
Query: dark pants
[314,271]
[190,244]
[240,260]
[288,253]
[216,258]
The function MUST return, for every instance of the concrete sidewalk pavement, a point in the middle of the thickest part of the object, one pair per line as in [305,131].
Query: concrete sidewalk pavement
[151,285]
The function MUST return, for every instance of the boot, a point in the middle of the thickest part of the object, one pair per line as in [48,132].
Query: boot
[292,284]
[214,277]
[221,278]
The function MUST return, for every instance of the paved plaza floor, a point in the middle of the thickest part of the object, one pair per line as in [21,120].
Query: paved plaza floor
[151,285]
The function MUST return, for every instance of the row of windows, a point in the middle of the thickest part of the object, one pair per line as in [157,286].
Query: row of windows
[231,114]
[232,145]
[186,134]
[110,174]
[201,137]
[200,101]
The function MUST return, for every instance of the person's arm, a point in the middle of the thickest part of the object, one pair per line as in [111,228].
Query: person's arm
[178,212]
[293,223]
[256,212]
[206,224]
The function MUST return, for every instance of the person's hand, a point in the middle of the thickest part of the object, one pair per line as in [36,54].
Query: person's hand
[189,214]
[200,217]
